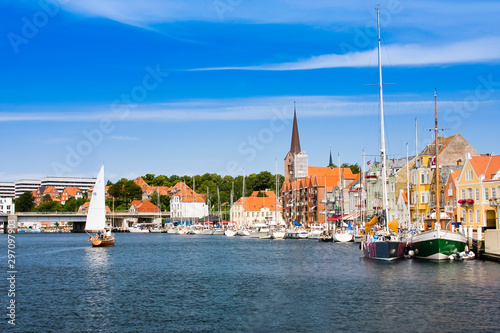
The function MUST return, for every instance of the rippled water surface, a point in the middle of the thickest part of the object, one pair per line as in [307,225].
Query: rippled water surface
[171,283]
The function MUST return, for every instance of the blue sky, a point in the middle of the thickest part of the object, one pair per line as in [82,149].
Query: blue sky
[171,87]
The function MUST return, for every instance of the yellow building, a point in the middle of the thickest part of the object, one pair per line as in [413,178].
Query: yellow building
[420,180]
[452,150]
[478,187]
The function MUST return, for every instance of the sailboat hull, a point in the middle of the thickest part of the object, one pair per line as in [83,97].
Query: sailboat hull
[384,250]
[437,244]
[110,241]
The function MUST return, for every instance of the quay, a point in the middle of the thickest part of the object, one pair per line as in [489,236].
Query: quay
[119,220]
[490,248]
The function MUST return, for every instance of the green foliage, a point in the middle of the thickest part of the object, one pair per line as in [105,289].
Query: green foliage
[72,204]
[25,202]
[122,207]
[125,191]
[355,168]
[164,201]
[47,198]
[51,206]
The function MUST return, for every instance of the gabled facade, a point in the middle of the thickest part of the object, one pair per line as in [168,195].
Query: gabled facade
[144,206]
[450,196]
[422,177]
[46,190]
[478,183]
[402,211]
[186,205]
[69,192]
[256,209]
[316,198]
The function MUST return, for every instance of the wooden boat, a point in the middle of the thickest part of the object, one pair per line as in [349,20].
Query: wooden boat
[96,215]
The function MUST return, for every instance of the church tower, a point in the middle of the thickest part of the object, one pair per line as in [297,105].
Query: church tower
[296,160]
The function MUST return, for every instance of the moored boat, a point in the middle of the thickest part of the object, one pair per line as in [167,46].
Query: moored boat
[386,245]
[343,236]
[230,232]
[437,244]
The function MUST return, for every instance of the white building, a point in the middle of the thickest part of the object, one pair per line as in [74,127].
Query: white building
[61,182]
[26,185]
[186,205]
[254,209]
[7,206]
[185,209]
[7,190]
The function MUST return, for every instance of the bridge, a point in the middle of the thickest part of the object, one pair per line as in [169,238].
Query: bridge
[119,220]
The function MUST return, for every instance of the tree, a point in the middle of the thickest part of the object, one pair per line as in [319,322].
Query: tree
[72,204]
[148,178]
[51,206]
[116,190]
[159,180]
[47,198]
[25,202]
[131,191]
[164,201]
[354,167]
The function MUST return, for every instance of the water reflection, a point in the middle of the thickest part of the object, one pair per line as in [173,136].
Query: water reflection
[98,292]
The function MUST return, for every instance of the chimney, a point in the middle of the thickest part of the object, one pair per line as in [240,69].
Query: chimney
[459,162]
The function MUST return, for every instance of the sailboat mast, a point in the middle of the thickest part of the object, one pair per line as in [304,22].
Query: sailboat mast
[416,180]
[438,188]
[382,128]
[408,186]
[231,207]
[277,192]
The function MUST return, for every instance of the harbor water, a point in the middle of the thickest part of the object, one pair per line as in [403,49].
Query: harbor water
[172,283]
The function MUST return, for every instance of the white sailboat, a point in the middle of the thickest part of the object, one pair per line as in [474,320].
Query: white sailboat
[96,215]
[231,231]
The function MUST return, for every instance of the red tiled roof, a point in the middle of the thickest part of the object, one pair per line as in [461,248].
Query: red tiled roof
[144,206]
[85,207]
[485,165]
[255,203]
[71,190]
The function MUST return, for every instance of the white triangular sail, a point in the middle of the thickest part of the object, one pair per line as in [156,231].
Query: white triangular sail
[96,216]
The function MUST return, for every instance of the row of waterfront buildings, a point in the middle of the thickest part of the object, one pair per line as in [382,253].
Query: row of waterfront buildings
[469,187]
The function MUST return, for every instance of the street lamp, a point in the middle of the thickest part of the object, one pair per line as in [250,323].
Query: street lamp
[495,202]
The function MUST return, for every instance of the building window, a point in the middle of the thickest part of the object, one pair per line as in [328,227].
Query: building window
[468,175]
[477,194]
[478,217]
[471,216]
[493,192]
[463,216]
[462,194]
[469,193]
[486,194]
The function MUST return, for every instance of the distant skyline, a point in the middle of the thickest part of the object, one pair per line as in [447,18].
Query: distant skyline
[185,88]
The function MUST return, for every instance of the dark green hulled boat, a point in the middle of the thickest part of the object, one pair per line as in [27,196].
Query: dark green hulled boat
[437,244]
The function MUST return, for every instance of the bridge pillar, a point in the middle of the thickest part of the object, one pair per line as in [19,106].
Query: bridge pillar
[11,226]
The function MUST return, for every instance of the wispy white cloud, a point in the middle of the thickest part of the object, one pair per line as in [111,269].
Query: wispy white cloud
[472,51]
[237,109]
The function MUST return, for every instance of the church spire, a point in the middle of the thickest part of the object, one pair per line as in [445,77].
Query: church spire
[295,145]
[330,164]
